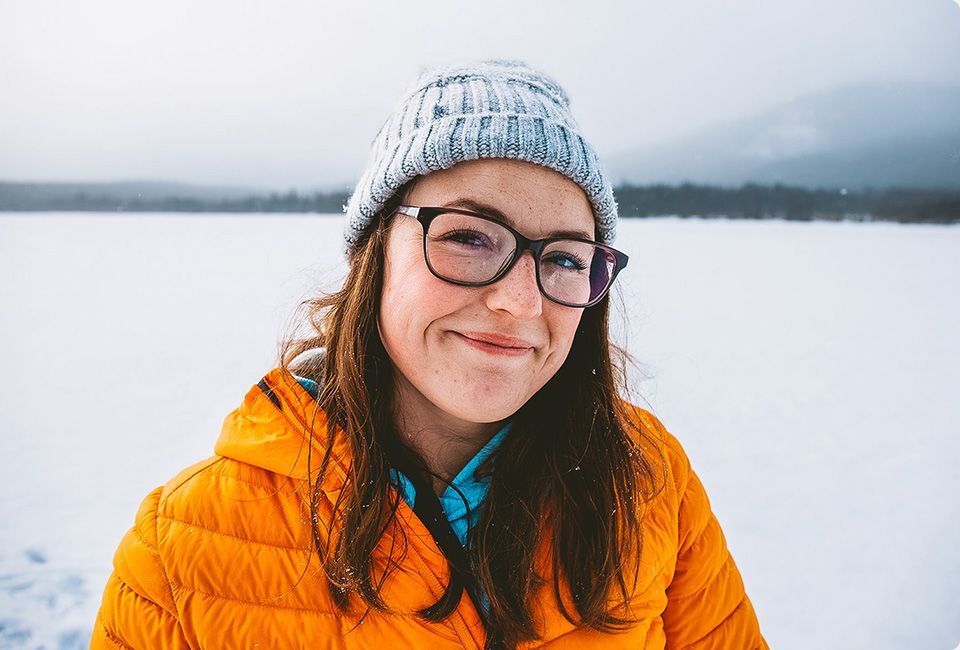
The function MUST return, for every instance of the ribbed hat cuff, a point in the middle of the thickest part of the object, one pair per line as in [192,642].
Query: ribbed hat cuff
[442,143]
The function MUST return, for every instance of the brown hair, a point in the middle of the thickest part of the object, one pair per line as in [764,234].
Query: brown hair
[574,478]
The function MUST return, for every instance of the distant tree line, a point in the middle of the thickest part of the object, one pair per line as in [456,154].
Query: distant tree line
[753,201]
[749,201]
[13,198]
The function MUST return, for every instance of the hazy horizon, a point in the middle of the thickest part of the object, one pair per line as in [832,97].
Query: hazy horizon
[289,95]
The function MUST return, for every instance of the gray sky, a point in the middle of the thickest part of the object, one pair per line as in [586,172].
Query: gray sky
[289,93]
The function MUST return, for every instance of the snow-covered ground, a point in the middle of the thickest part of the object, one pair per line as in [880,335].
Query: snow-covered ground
[810,369]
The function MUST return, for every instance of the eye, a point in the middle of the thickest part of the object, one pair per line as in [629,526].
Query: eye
[565,261]
[466,237]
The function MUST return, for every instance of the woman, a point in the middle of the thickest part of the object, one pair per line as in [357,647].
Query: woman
[446,460]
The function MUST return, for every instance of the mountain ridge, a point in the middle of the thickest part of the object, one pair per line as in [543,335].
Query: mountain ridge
[860,136]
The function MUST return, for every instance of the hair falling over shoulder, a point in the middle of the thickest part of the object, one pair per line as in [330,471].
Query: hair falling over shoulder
[571,480]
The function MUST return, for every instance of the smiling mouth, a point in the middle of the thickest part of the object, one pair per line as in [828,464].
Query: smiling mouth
[495,344]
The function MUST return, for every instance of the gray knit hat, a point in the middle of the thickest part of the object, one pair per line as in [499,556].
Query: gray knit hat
[493,109]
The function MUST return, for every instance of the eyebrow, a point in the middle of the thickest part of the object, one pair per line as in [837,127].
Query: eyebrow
[490,211]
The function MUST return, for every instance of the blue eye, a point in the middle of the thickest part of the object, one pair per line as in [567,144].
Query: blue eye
[566,261]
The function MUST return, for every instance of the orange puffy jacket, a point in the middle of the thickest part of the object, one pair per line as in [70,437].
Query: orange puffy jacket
[221,557]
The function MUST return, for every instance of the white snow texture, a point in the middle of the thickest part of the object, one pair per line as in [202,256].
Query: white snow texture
[810,369]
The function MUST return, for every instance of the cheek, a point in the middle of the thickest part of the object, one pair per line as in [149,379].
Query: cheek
[398,301]
[563,323]
[411,298]
[563,326]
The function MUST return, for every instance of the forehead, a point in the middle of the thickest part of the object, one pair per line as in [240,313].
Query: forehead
[536,200]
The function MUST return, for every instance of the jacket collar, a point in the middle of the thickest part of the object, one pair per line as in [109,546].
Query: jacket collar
[281,428]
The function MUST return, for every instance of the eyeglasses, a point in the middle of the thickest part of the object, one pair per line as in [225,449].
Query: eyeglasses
[473,250]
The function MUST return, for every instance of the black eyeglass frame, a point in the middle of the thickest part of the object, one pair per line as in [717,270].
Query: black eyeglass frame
[425,215]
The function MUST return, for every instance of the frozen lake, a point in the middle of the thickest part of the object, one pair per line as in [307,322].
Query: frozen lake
[810,369]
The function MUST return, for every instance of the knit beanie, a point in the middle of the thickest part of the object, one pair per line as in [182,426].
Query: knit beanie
[492,109]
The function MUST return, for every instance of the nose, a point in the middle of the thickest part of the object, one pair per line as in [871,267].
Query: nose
[517,292]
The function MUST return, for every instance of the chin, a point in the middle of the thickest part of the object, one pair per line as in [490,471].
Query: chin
[486,416]
[483,405]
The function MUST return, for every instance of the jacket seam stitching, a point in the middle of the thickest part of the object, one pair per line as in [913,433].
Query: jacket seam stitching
[117,641]
[246,540]
[724,568]
[204,465]
[251,603]
[124,586]
[720,624]
[143,540]
[163,567]
[271,489]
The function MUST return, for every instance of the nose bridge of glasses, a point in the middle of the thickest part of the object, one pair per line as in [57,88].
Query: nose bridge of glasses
[519,258]
[532,250]
[513,256]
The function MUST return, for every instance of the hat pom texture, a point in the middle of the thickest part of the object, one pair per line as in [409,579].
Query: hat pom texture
[494,109]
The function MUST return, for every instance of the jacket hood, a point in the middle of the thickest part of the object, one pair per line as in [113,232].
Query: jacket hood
[281,428]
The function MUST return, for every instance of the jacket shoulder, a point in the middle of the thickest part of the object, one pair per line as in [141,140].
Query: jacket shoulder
[662,449]
[222,498]
[138,608]
[707,603]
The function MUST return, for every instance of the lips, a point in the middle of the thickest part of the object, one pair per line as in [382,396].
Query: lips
[496,343]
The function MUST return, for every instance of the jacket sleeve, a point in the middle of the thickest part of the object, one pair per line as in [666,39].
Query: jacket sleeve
[707,606]
[138,610]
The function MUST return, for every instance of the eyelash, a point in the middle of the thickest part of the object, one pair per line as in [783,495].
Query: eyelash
[456,235]
[579,264]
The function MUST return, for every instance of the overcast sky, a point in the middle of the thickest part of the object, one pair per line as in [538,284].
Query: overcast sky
[290,93]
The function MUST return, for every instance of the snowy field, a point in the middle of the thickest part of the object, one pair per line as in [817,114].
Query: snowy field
[811,370]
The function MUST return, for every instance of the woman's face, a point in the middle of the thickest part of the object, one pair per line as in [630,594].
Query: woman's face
[471,355]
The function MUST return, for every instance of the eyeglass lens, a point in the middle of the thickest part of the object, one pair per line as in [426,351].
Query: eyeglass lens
[468,249]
